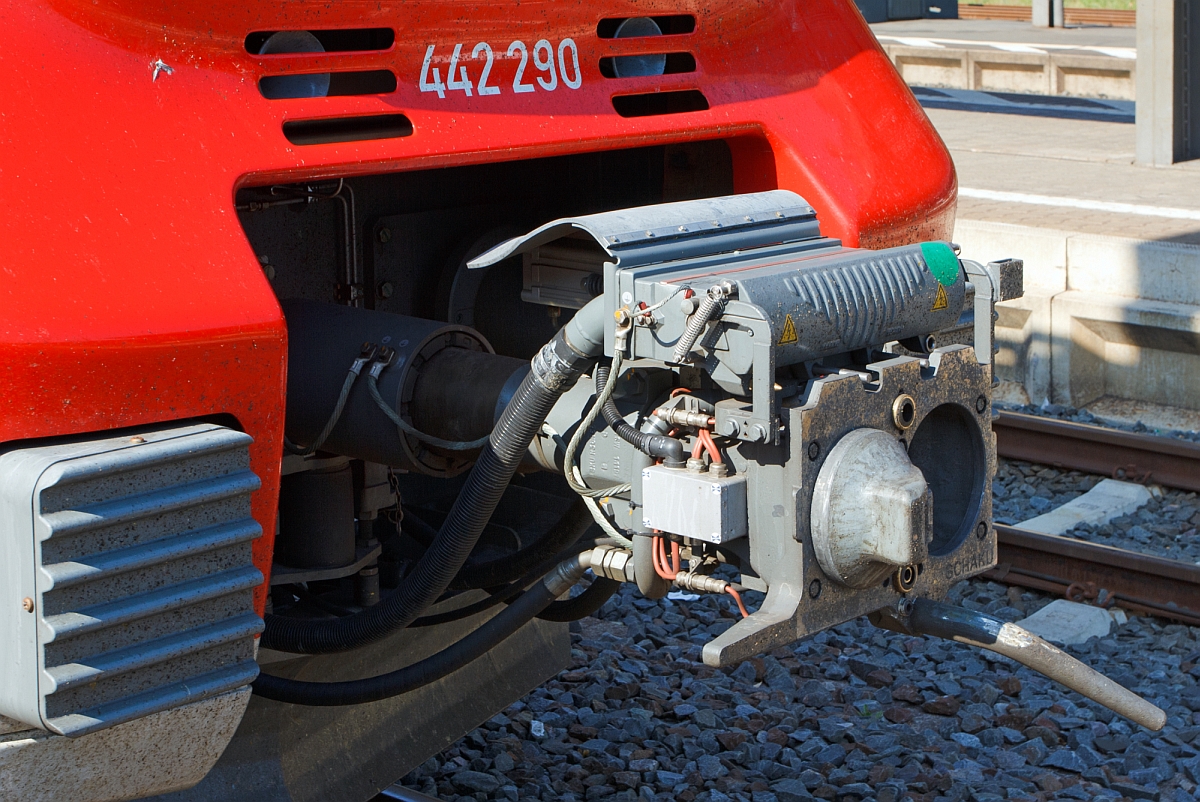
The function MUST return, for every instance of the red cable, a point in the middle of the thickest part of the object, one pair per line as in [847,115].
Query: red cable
[738,598]
[698,446]
[679,390]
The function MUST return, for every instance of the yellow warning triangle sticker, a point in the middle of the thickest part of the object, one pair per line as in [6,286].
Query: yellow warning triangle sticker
[789,332]
[941,301]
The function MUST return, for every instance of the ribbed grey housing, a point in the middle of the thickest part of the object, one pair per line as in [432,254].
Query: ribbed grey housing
[142,574]
[866,302]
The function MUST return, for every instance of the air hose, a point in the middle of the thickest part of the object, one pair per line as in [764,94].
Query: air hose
[503,625]
[583,605]
[659,446]
[565,532]
[555,368]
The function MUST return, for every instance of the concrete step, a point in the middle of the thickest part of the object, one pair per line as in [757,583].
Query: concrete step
[1105,320]
[1036,69]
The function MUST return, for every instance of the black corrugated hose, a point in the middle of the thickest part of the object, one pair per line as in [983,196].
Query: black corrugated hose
[555,370]
[659,446]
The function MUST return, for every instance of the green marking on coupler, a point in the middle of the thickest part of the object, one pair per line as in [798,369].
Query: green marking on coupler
[942,262]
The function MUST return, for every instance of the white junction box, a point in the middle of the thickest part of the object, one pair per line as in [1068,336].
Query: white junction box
[695,505]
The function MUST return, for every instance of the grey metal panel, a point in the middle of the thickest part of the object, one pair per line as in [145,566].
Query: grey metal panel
[693,504]
[136,554]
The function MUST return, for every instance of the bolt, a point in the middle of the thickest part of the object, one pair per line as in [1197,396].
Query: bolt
[385,289]
[385,235]
[814,450]
[27,604]
[814,589]
[981,530]
[981,404]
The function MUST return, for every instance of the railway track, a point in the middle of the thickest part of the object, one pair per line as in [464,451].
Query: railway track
[1083,571]
[1131,456]
[1086,571]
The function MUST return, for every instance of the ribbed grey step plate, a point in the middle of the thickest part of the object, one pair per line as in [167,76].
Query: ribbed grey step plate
[135,554]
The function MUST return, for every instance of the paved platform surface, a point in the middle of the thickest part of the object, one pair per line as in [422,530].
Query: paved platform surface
[1068,165]
[1004,34]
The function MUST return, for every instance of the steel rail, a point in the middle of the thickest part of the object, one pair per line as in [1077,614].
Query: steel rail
[1096,449]
[1137,582]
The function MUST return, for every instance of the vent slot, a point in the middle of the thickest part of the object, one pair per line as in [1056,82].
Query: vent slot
[347,129]
[341,84]
[669,25]
[674,64]
[351,40]
[653,104]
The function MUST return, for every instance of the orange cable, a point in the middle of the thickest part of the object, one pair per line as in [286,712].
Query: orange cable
[706,436]
[658,558]
[738,598]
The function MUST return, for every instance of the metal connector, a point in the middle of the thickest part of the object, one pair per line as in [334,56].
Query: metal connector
[367,354]
[383,358]
[612,562]
[700,583]
[682,417]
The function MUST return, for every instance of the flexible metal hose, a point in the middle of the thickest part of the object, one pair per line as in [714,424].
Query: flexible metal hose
[696,324]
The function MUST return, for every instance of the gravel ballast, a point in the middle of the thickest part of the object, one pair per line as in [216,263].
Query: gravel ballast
[1165,526]
[854,713]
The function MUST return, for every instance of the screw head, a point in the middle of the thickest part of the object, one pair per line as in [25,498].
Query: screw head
[814,450]
[981,404]
[385,289]
[814,589]
[27,604]
[385,235]
[981,530]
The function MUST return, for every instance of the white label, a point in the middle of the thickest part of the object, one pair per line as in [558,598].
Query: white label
[551,68]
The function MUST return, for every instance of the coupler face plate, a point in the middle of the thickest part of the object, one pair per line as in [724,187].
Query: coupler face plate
[939,412]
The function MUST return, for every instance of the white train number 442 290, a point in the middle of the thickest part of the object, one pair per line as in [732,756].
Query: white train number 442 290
[550,72]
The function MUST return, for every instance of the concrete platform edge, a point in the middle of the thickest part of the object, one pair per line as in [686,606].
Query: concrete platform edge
[1101,316]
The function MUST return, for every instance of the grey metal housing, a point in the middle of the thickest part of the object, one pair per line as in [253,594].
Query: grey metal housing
[789,295]
[128,568]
